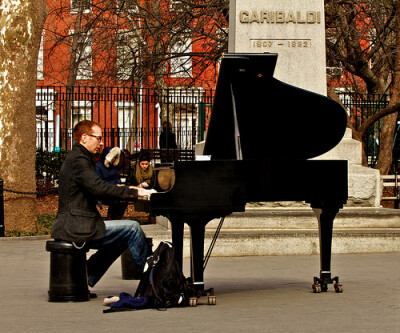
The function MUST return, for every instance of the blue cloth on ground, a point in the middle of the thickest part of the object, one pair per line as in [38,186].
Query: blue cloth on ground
[128,301]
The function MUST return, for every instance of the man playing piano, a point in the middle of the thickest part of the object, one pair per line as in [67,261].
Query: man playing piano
[78,219]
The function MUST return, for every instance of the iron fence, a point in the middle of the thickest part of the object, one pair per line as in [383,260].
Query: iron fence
[359,108]
[130,117]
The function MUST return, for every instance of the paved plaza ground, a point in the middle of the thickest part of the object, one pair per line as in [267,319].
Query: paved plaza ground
[254,294]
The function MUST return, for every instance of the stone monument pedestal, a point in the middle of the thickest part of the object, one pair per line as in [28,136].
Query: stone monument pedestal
[365,184]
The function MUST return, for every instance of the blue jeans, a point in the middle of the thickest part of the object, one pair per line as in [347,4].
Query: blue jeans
[120,235]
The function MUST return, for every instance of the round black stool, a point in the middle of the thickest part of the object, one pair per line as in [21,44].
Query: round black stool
[68,272]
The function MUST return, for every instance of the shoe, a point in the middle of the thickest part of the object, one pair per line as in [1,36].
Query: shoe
[92,295]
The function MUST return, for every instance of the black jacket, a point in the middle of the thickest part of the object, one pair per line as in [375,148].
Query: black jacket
[79,190]
[167,139]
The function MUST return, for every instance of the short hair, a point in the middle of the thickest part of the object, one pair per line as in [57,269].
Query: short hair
[83,127]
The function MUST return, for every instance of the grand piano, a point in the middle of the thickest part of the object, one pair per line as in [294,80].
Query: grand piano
[260,131]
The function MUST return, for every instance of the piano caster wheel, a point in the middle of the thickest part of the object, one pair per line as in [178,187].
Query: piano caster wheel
[193,301]
[212,300]
[316,288]
[338,287]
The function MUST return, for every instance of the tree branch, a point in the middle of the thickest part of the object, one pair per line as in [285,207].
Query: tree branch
[379,115]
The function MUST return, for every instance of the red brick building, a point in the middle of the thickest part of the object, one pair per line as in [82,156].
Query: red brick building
[97,61]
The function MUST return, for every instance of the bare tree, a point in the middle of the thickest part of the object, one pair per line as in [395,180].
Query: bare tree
[362,37]
[152,40]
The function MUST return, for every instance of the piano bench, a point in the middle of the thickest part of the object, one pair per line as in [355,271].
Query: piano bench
[68,272]
[392,181]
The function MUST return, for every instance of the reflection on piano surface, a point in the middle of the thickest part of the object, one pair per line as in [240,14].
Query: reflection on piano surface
[258,121]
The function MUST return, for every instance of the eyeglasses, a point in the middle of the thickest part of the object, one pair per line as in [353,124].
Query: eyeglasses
[98,137]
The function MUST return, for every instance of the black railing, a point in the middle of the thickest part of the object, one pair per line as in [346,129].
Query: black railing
[130,117]
[360,107]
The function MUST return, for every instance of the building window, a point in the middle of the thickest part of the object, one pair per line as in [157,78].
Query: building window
[45,122]
[40,75]
[127,55]
[126,125]
[222,40]
[84,57]
[84,5]
[181,65]
[333,66]
[372,44]
[81,110]
[186,105]
[177,5]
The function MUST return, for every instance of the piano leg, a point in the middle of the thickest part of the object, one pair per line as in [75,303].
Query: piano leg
[326,216]
[177,238]
[197,232]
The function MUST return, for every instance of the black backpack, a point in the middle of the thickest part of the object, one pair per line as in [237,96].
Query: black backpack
[163,281]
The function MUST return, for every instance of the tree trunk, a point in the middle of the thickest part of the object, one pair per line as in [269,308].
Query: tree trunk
[21,29]
[389,123]
[386,143]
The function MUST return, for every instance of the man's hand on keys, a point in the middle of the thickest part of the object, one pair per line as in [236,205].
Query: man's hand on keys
[145,193]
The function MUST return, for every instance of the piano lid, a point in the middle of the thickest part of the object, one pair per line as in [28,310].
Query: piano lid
[256,116]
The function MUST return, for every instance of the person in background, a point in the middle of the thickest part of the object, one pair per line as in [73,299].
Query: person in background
[167,137]
[167,143]
[141,173]
[107,169]
[78,220]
